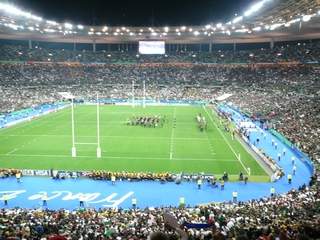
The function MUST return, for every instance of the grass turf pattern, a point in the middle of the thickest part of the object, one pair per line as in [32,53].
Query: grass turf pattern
[178,146]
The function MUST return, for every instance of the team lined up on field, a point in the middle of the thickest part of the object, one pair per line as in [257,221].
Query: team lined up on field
[147,121]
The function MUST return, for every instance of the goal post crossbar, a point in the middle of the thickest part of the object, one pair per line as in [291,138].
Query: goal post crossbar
[74,143]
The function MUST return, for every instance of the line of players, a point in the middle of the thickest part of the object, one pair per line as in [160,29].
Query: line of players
[202,123]
[147,121]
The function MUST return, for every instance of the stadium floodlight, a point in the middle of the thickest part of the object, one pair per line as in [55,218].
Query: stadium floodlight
[154,34]
[183,28]
[131,33]
[36,18]
[15,11]
[256,7]
[80,27]
[49,30]
[12,26]
[219,25]
[275,26]
[179,33]
[256,29]
[237,19]
[12,10]
[90,33]
[68,25]
[51,22]
[196,33]
[208,26]
[31,28]
[242,30]
[306,18]
[98,33]
[190,29]
[166,29]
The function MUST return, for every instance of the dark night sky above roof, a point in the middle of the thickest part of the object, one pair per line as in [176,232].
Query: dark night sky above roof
[135,12]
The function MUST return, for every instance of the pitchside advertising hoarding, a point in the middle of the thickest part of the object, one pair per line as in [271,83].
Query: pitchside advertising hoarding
[152,47]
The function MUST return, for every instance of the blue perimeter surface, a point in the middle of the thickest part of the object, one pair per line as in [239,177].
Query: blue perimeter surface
[98,194]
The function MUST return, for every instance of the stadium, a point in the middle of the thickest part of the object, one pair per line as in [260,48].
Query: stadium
[141,121]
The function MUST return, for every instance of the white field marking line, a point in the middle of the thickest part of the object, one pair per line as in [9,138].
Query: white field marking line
[210,145]
[226,140]
[34,139]
[27,123]
[84,143]
[22,146]
[111,136]
[33,125]
[12,151]
[172,133]
[123,123]
[125,158]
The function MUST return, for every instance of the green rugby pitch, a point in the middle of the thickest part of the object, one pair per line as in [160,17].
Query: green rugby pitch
[46,142]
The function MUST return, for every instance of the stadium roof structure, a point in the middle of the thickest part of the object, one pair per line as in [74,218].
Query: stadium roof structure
[264,21]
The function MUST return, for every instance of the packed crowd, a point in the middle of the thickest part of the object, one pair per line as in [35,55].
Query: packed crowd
[286,52]
[28,84]
[295,215]
[285,95]
[296,116]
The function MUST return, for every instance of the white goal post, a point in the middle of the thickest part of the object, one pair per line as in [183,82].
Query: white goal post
[74,143]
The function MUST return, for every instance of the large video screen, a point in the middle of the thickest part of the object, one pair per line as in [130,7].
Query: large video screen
[152,47]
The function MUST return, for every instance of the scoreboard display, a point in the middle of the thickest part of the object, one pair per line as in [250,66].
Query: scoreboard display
[152,47]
